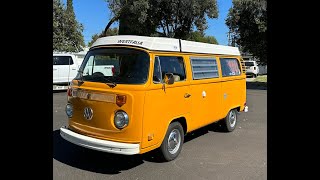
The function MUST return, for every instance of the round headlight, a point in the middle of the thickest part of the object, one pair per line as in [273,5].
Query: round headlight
[121,119]
[69,110]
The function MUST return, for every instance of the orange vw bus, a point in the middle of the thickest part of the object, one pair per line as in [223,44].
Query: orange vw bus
[159,90]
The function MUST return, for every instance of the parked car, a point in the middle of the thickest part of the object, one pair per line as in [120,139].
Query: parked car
[65,68]
[105,66]
[252,68]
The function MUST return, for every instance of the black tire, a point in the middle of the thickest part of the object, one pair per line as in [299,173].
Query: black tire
[229,123]
[169,155]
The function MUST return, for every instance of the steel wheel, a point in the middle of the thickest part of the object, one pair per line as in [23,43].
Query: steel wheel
[232,118]
[174,141]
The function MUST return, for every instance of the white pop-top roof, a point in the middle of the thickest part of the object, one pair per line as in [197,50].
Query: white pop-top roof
[166,44]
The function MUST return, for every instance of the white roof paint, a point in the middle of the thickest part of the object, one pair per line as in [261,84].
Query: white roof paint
[166,44]
[198,47]
[152,43]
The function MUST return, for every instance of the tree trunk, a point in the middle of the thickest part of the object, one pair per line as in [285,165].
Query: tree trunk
[115,18]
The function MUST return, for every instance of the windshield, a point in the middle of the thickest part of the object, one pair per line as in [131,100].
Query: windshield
[116,65]
[249,63]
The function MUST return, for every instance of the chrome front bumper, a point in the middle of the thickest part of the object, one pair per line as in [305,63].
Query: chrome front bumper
[99,144]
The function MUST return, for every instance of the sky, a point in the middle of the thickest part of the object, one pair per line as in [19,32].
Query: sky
[95,14]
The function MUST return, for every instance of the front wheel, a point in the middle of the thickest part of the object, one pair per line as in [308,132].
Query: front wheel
[172,142]
[230,121]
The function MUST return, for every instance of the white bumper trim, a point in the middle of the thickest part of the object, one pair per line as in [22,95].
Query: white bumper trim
[99,144]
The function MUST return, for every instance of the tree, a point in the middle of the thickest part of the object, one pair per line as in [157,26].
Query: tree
[169,18]
[211,40]
[247,22]
[58,26]
[132,16]
[117,7]
[110,32]
[177,18]
[200,37]
[74,36]
[67,32]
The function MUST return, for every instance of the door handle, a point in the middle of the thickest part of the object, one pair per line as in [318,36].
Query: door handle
[73,68]
[187,95]
[54,69]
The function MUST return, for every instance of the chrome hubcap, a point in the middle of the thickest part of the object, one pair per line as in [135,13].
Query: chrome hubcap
[174,141]
[232,119]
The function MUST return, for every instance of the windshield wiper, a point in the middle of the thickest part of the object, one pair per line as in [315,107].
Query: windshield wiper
[109,83]
[80,80]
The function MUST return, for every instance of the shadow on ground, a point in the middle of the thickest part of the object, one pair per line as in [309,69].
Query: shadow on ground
[106,163]
[257,85]
[59,91]
[90,160]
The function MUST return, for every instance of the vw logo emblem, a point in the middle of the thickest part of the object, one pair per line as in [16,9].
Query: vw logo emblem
[88,113]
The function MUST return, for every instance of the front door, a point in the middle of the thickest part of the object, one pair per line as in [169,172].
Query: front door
[165,102]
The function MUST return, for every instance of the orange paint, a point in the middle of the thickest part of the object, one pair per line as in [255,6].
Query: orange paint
[151,107]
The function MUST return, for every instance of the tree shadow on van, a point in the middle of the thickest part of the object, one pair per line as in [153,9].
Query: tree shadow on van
[91,160]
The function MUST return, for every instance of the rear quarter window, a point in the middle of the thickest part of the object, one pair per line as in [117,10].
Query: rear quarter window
[230,67]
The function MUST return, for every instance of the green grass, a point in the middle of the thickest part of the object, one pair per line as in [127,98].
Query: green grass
[259,83]
[262,78]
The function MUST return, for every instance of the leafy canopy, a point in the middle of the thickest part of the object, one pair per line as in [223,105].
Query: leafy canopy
[168,18]
[247,22]
[67,32]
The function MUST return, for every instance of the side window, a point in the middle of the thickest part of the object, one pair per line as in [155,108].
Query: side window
[157,71]
[170,64]
[204,68]
[62,60]
[230,67]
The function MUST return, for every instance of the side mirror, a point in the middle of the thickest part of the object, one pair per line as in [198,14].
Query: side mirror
[168,78]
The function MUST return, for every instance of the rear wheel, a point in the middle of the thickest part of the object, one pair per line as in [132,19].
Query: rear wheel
[172,142]
[229,123]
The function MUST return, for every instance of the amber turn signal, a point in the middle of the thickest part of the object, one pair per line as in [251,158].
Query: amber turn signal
[121,100]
